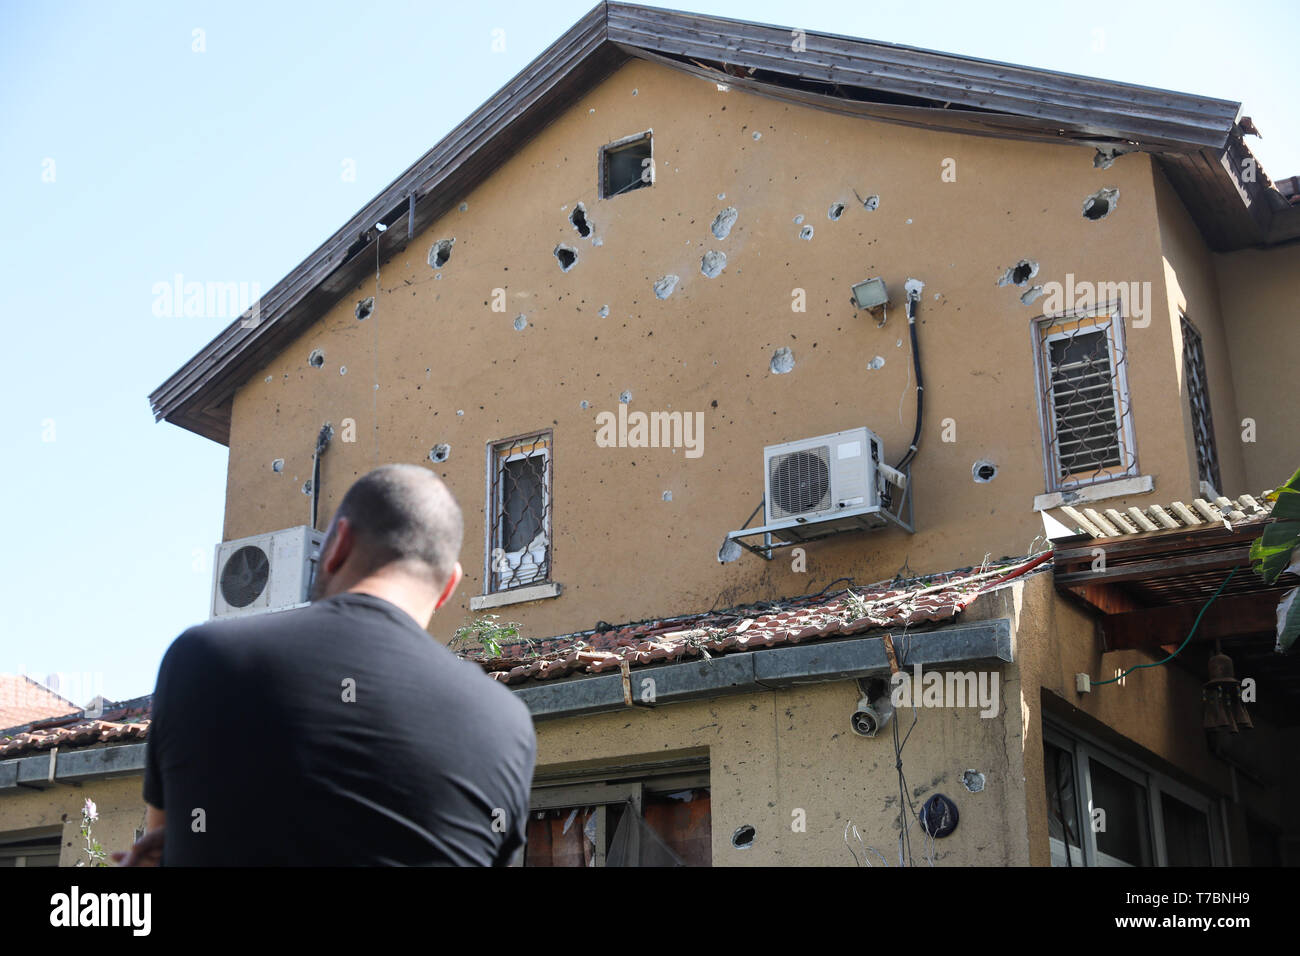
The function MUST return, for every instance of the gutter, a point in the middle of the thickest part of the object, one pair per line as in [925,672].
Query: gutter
[987,642]
[50,768]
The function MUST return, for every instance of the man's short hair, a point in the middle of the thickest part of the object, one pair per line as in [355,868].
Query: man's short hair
[405,514]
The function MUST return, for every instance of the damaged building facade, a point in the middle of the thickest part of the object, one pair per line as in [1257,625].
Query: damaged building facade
[596,304]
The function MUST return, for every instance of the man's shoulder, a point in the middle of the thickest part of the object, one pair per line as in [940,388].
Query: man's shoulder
[226,639]
[253,627]
[490,693]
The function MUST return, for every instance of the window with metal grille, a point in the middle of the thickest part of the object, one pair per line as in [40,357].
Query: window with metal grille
[519,512]
[1084,399]
[1198,391]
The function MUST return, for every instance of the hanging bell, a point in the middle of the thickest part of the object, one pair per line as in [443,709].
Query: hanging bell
[1222,708]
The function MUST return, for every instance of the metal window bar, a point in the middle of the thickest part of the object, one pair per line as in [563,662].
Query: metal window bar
[1087,417]
[1198,390]
[520,522]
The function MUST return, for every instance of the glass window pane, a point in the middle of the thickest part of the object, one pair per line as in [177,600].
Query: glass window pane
[1187,833]
[682,820]
[1123,837]
[1062,807]
[524,500]
[562,837]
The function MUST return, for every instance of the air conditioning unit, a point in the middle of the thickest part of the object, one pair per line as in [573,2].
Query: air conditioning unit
[266,572]
[823,485]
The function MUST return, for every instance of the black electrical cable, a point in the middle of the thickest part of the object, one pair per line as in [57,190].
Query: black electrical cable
[322,442]
[913,298]
[315,485]
[833,583]
[905,804]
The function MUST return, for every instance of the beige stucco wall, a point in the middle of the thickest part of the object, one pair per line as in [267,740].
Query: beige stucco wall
[621,551]
[118,801]
[1191,287]
[1259,290]
[776,753]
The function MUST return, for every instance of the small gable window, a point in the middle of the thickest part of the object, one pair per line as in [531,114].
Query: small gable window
[627,164]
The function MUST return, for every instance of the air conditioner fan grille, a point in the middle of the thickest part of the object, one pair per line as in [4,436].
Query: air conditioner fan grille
[800,482]
[244,576]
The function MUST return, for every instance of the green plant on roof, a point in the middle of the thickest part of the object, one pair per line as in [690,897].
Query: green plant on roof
[487,632]
[855,607]
[1274,552]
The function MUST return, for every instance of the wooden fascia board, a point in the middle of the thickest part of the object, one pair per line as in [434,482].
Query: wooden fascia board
[1130,111]
[1233,615]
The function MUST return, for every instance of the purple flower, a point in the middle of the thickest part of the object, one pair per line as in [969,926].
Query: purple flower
[90,811]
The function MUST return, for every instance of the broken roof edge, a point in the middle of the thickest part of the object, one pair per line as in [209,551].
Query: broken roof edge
[198,396]
[848,612]
[1155,519]
[788,32]
[986,641]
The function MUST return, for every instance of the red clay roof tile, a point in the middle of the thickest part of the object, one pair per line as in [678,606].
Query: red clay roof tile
[810,617]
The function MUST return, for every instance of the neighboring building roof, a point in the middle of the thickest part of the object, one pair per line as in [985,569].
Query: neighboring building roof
[23,700]
[1110,523]
[123,722]
[812,617]
[1196,139]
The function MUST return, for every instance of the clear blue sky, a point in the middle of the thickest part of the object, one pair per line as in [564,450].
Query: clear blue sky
[225,165]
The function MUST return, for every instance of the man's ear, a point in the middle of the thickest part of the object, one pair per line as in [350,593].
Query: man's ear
[456,574]
[338,546]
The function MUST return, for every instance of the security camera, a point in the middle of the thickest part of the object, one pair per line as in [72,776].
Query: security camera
[870,717]
[874,708]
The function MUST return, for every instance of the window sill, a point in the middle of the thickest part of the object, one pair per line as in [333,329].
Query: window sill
[1119,488]
[534,592]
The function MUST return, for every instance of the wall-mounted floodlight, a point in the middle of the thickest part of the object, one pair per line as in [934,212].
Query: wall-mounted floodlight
[870,294]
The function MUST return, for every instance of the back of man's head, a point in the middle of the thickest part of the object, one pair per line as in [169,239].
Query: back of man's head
[404,518]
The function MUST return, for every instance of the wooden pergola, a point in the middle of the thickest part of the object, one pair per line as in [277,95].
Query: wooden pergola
[1147,589]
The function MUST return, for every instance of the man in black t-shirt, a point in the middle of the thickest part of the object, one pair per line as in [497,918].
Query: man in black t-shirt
[341,733]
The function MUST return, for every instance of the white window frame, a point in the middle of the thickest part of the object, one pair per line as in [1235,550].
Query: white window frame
[496,502]
[1085,756]
[1108,319]
[1067,850]
[1084,748]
